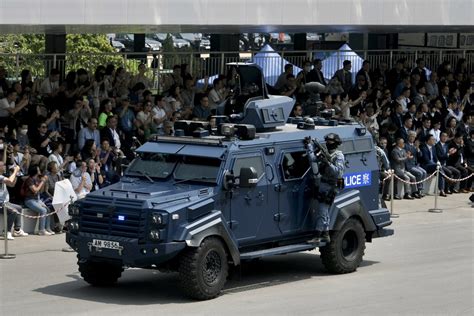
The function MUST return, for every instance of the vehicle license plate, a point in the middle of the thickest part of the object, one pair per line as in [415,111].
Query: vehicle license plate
[98,243]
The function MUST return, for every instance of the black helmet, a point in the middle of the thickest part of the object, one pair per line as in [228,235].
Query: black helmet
[333,137]
[309,121]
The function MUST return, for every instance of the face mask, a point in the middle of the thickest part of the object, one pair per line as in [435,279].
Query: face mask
[331,146]
[23,131]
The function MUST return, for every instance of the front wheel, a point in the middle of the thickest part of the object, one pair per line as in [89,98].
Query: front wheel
[99,273]
[203,270]
[345,251]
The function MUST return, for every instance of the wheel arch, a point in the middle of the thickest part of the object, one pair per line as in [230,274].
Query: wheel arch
[212,225]
[350,205]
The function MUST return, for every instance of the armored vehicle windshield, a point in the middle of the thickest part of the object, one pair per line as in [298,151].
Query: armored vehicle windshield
[157,165]
[161,165]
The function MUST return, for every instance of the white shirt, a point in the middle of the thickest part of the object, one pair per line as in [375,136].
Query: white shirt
[116,137]
[18,158]
[143,117]
[143,79]
[404,102]
[435,133]
[158,113]
[346,110]
[4,196]
[76,181]
[173,104]
[48,87]
[215,98]
[458,116]
[56,158]
[4,105]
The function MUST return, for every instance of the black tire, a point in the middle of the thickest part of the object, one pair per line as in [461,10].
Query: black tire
[203,270]
[345,251]
[99,273]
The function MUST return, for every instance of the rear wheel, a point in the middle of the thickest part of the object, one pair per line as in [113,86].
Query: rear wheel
[203,270]
[99,273]
[345,251]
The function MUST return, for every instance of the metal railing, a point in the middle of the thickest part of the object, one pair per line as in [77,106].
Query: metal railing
[203,64]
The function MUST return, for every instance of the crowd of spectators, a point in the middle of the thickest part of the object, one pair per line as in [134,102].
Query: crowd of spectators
[419,117]
[85,126]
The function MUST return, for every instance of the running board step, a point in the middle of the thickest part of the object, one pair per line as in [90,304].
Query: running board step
[278,251]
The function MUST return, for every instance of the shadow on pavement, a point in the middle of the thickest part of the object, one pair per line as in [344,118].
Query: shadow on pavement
[147,287]
[277,270]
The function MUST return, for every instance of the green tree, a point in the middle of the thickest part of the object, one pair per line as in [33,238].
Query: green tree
[86,51]
[22,51]
[89,51]
[169,59]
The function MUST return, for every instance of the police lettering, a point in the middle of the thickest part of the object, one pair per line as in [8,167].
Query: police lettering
[354,180]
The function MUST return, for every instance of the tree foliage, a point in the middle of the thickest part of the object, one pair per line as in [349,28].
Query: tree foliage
[86,51]
[171,59]
[21,51]
[89,51]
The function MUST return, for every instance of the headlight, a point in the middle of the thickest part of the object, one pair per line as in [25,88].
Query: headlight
[73,210]
[154,234]
[156,219]
[73,225]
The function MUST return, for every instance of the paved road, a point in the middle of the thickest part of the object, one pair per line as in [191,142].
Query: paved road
[426,268]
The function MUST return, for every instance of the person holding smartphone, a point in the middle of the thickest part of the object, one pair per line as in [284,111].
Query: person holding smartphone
[34,185]
[81,180]
[12,209]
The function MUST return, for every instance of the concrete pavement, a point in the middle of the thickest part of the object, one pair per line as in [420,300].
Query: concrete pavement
[426,268]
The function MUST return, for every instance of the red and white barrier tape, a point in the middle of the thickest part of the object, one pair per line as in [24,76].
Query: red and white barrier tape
[38,216]
[388,176]
[456,180]
[416,182]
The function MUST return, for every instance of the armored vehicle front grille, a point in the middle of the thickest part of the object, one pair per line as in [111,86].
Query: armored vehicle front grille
[120,218]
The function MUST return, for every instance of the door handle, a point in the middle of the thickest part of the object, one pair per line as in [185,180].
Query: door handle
[280,187]
[364,160]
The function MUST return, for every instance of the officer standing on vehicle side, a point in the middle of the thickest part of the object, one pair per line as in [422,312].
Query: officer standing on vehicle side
[328,168]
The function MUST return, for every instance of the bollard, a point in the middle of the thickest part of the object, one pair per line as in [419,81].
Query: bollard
[6,255]
[392,191]
[436,209]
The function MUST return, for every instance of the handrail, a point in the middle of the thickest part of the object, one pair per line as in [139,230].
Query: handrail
[253,52]
[210,63]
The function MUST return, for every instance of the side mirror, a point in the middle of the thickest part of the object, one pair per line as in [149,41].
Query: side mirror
[229,181]
[248,177]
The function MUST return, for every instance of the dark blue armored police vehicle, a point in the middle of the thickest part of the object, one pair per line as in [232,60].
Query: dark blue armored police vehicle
[209,198]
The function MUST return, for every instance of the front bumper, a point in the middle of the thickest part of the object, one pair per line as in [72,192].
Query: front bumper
[381,218]
[131,253]
[383,232]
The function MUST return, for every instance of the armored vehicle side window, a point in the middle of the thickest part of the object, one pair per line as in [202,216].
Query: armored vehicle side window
[255,162]
[356,145]
[363,144]
[347,146]
[294,165]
